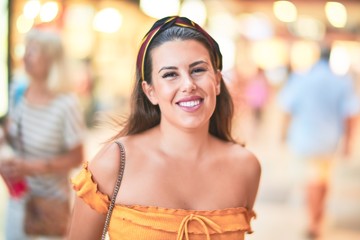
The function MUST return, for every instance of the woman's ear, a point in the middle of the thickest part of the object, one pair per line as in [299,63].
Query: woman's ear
[218,82]
[149,92]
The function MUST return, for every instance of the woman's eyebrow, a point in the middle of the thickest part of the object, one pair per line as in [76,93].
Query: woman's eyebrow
[197,63]
[167,68]
[190,65]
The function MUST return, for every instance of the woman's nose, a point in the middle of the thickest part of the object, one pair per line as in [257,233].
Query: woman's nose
[188,84]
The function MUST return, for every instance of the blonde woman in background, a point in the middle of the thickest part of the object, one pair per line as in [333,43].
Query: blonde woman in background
[45,129]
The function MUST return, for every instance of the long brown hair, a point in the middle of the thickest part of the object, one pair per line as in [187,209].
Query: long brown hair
[144,115]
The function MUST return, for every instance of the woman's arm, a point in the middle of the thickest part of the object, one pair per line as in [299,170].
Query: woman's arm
[254,173]
[86,223]
[18,168]
[62,163]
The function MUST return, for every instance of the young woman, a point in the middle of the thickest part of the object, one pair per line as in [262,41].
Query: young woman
[184,177]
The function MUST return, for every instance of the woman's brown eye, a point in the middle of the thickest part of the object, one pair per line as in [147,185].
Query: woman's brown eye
[170,74]
[199,70]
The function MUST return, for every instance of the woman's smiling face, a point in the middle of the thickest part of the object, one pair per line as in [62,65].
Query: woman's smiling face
[184,83]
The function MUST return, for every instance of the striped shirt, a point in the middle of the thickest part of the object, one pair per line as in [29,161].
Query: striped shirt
[44,132]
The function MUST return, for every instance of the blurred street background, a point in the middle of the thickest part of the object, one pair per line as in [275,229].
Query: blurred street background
[276,38]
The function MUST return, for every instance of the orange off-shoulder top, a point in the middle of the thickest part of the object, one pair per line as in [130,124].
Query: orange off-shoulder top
[129,222]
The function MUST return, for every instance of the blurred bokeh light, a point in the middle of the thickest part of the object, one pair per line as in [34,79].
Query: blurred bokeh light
[336,14]
[285,11]
[107,20]
[160,8]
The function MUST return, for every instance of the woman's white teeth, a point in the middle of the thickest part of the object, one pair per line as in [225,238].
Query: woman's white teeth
[190,103]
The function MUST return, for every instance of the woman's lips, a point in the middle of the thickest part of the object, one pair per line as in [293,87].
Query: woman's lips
[190,104]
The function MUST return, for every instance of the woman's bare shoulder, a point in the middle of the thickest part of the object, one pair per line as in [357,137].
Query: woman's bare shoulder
[105,166]
[106,163]
[243,158]
[248,167]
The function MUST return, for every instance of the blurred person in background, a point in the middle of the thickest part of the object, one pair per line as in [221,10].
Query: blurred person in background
[85,88]
[185,177]
[319,107]
[45,130]
[256,96]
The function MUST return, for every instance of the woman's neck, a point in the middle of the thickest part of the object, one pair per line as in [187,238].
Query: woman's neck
[177,142]
[38,93]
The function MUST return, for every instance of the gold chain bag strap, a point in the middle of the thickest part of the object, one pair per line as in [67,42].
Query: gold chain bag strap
[105,234]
